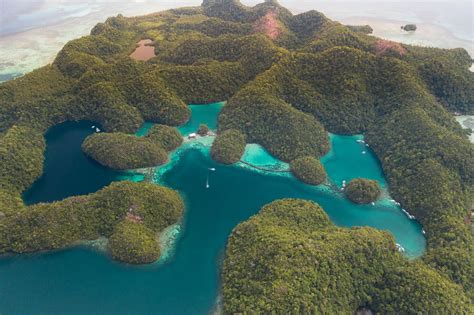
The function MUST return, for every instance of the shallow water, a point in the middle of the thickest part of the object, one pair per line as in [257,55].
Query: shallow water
[200,114]
[82,280]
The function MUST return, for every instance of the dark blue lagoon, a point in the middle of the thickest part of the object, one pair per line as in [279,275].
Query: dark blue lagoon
[67,171]
[84,280]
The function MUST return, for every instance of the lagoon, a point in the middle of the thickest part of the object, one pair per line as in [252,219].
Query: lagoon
[67,171]
[84,280]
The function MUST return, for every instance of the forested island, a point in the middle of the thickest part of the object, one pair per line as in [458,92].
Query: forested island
[288,81]
[362,190]
[124,152]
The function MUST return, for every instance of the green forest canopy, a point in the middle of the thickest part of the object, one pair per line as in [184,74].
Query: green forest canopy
[290,258]
[288,80]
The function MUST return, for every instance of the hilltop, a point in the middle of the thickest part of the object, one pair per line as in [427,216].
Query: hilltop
[288,80]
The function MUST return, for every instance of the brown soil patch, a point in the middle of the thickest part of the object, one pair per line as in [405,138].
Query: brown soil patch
[382,47]
[143,52]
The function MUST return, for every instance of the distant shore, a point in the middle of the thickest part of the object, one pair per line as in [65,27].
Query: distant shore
[429,35]
[24,51]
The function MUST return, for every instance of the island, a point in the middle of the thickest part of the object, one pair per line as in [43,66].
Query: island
[309,170]
[362,190]
[289,80]
[122,151]
[409,27]
[203,130]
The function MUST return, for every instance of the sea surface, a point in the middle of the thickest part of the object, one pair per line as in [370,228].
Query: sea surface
[33,31]
[85,280]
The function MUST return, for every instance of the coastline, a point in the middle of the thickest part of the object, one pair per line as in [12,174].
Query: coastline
[24,51]
[427,34]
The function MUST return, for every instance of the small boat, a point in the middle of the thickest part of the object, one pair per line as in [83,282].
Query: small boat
[207,181]
[400,247]
[363,152]
[212,169]
[97,129]
[92,127]
[373,203]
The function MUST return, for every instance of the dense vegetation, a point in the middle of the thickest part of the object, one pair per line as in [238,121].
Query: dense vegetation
[288,79]
[290,258]
[308,169]
[361,190]
[228,146]
[168,137]
[366,29]
[121,151]
[202,130]
[64,223]
[133,242]
[21,158]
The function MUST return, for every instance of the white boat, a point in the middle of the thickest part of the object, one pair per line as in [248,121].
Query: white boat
[400,247]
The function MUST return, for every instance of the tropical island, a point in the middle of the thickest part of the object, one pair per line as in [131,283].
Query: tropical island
[362,190]
[122,151]
[288,81]
[309,170]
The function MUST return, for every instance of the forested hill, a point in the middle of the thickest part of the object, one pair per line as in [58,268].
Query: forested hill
[288,79]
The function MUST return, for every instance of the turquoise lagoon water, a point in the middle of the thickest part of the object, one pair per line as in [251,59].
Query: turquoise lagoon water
[83,280]
[206,114]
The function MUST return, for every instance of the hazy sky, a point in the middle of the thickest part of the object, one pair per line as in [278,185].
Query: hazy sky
[20,15]
[32,31]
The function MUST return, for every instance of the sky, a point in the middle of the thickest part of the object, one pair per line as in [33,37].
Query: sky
[21,15]
[33,31]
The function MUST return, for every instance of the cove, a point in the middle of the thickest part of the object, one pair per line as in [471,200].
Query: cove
[200,114]
[82,280]
[67,171]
